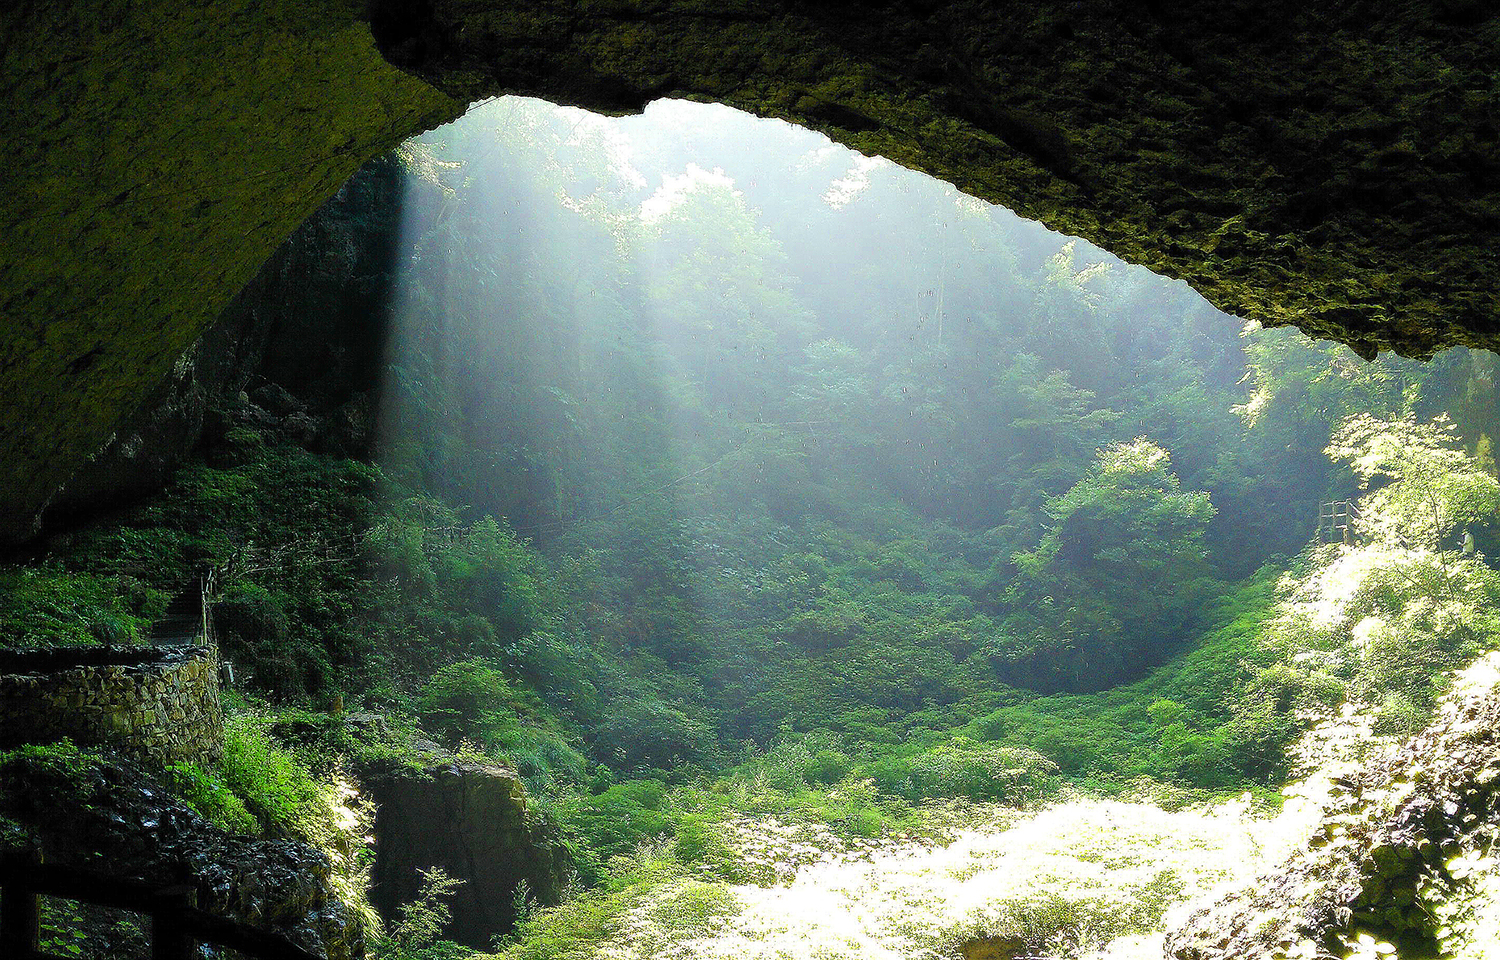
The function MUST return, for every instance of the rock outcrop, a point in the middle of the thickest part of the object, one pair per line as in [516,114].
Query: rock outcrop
[156,155]
[326,343]
[114,818]
[1401,855]
[470,818]
[1331,165]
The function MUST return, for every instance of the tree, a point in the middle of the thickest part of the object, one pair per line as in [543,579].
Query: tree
[1432,487]
[1303,385]
[1387,617]
[716,283]
[1111,586]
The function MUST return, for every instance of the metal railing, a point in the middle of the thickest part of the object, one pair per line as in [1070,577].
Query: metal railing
[177,925]
[209,591]
[1336,521]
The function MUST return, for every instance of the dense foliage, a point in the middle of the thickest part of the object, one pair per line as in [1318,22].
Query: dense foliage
[797,488]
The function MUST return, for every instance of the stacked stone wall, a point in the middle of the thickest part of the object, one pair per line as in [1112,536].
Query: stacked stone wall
[159,705]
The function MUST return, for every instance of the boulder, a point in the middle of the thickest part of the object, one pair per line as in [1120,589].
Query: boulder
[471,819]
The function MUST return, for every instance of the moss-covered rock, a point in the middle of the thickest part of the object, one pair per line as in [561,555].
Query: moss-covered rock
[1402,856]
[1331,165]
[155,154]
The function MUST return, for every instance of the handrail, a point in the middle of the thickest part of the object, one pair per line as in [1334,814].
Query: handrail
[177,925]
[208,588]
[1337,518]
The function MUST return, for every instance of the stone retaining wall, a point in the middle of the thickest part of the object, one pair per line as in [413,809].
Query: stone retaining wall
[157,704]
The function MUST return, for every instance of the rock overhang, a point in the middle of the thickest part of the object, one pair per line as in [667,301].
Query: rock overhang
[1330,165]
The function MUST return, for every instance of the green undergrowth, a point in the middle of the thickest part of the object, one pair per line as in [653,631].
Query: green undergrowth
[337,585]
[1197,721]
[49,605]
[206,791]
[835,695]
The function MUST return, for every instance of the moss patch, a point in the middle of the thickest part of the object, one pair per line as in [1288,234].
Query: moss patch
[156,154]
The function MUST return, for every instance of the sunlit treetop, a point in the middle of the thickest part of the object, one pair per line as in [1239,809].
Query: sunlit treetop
[1138,458]
[1427,486]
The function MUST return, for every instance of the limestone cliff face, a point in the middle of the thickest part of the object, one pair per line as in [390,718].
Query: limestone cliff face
[471,819]
[1330,164]
[155,154]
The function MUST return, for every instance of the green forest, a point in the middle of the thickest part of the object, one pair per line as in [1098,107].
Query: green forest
[722,477]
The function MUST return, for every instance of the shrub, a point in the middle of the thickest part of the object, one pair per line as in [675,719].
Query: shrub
[461,695]
[252,614]
[45,606]
[575,930]
[253,624]
[857,809]
[62,760]
[702,841]
[964,768]
[207,794]
[613,823]
[691,908]
[503,581]
[417,934]
[827,767]
[544,760]
[647,734]
[277,790]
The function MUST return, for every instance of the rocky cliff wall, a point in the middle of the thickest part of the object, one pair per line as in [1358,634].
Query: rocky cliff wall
[303,341]
[156,154]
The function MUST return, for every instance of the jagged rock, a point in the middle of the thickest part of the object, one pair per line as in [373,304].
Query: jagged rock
[114,818]
[471,819]
[275,399]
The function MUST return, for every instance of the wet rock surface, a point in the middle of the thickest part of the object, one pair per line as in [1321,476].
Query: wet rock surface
[116,819]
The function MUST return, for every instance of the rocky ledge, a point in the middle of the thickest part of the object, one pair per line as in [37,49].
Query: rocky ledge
[113,817]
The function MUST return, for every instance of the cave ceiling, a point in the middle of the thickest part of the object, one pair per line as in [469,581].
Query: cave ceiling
[1332,165]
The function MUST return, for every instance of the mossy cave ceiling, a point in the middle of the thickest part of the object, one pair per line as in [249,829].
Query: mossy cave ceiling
[1332,165]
